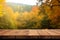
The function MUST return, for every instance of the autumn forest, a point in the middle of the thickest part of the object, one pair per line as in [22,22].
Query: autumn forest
[20,16]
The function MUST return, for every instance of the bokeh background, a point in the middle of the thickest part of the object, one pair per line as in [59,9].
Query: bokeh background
[42,15]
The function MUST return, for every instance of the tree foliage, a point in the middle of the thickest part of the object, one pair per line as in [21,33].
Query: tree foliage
[43,16]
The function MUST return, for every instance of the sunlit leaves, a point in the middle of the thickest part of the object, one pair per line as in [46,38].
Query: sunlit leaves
[1,7]
[36,18]
[2,1]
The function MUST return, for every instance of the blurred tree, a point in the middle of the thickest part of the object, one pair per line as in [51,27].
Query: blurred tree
[55,13]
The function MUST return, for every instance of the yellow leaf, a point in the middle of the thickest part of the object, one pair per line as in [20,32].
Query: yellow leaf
[1,14]
[2,1]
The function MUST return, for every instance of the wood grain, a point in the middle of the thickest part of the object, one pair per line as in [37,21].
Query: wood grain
[45,33]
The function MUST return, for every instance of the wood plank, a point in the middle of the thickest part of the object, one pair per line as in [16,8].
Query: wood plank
[15,33]
[43,32]
[53,33]
[33,33]
[58,30]
[3,32]
[30,33]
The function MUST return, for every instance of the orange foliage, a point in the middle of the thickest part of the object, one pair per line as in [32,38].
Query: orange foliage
[55,12]
[35,8]
[28,16]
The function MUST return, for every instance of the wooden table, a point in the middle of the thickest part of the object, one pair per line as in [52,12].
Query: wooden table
[30,33]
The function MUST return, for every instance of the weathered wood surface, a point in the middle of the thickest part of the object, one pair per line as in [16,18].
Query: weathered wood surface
[30,33]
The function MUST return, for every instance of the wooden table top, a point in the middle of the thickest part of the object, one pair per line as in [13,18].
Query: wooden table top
[30,32]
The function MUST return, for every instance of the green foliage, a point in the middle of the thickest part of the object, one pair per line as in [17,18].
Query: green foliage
[6,24]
